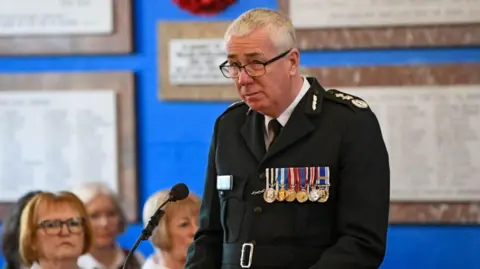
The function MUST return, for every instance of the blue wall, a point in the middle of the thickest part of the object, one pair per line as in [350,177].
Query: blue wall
[169,151]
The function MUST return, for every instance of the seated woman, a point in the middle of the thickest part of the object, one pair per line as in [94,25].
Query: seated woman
[108,221]
[174,232]
[54,231]
[11,233]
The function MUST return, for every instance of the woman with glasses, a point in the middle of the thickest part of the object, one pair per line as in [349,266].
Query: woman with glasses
[108,222]
[54,231]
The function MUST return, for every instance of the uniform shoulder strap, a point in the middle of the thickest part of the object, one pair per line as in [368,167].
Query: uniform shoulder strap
[233,106]
[352,101]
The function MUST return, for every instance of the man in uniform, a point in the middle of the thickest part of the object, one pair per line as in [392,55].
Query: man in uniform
[298,176]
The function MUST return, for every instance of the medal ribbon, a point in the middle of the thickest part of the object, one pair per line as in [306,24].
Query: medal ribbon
[291,178]
[327,176]
[324,176]
[272,177]
[283,172]
[303,178]
[297,177]
[312,176]
[277,176]
[320,179]
[267,178]
[307,178]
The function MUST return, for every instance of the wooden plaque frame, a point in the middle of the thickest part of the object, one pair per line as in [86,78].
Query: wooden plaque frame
[385,37]
[167,31]
[409,75]
[118,42]
[123,84]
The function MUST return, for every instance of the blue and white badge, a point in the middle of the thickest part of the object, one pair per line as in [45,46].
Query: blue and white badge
[225,183]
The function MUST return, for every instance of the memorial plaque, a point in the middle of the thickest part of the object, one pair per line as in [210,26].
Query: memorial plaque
[189,56]
[339,24]
[433,136]
[55,17]
[53,140]
[313,14]
[439,156]
[57,130]
[196,61]
[51,27]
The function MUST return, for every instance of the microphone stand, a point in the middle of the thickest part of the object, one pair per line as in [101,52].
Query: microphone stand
[148,230]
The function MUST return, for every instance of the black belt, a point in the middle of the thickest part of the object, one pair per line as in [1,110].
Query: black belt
[249,255]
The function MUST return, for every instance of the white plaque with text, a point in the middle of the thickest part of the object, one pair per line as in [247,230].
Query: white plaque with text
[308,14]
[433,138]
[51,140]
[196,61]
[56,17]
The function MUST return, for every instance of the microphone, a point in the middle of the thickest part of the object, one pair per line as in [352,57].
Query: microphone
[178,192]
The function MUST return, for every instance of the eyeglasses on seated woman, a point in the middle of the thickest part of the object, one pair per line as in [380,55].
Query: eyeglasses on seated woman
[54,231]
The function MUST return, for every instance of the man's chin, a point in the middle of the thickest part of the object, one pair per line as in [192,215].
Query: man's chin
[255,104]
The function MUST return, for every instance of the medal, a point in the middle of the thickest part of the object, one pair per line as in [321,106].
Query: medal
[313,194]
[323,193]
[302,195]
[269,194]
[282,193]
[291,194]
[323,181]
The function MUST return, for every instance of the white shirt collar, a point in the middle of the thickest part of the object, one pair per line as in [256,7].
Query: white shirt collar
[285,116]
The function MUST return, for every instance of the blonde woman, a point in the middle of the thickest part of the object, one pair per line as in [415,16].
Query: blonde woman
[174,232]
[54,231]
[108,222]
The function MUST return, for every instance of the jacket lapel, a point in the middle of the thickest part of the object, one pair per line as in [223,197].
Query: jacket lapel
[299,125]
[252,132]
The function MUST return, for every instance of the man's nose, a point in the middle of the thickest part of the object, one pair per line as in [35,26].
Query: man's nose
[244,77]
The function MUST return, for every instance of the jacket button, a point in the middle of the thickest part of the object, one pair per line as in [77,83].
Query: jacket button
[257,209]
[262,177]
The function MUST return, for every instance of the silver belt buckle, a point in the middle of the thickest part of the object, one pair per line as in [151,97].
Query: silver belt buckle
[250,255]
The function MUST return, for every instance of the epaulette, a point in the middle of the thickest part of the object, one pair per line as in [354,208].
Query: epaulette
[351,101]
[233,106]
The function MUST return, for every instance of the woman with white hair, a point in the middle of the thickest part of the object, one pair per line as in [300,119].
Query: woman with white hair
[108,221]
[174,232]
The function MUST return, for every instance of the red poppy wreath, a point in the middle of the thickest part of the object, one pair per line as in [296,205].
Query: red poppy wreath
[204,7]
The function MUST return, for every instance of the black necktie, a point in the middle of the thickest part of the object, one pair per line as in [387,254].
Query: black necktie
[276,128]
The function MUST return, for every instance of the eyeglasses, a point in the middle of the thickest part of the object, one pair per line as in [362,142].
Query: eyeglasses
[255,69]
[54,227]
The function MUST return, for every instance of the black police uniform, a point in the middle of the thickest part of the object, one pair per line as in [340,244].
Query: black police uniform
[346,232]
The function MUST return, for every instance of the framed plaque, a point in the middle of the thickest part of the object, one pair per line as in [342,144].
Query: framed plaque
[343,24]
[65,27]
[429,116]
[61,129]
[189,58]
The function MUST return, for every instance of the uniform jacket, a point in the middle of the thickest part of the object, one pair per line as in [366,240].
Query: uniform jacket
[348,231]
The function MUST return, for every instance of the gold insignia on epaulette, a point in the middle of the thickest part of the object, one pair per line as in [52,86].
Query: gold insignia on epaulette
[355,101]
[359,103]
[343,96]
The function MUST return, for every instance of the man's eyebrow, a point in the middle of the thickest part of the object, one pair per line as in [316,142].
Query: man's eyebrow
[249,55]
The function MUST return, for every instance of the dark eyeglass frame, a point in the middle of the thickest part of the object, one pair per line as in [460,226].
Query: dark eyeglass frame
[59,225]
[240,67]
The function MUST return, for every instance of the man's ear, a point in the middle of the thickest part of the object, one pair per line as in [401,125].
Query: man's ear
[294,61]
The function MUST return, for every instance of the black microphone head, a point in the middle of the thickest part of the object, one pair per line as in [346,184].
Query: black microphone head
[179,192]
